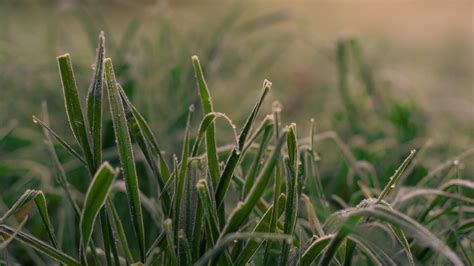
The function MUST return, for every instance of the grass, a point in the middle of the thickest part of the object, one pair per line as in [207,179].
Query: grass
[266,204]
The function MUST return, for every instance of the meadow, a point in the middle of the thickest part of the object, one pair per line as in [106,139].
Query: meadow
[231,156]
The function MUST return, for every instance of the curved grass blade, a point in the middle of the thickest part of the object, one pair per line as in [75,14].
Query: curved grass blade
[73,108]
[94,103]
[337,240]
[410,226]
[243,209]
[315,249]
[127,160]
[96,197]
[206,102]
[40,246]
[231,164]
[206,122]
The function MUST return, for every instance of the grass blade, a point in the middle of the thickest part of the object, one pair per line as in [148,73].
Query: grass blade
[73,108]
[206,102]
[264,225]
[291,210]
[94,103]
[63,143]
[393,180]
[234,157]
[243,209]
[96,197]
[167,226]
[127,160]
[138,127]
[40,246]
[315,249]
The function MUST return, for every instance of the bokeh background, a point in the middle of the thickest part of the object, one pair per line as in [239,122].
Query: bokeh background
[410,66]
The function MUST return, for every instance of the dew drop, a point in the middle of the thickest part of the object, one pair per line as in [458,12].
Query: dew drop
[392,186]
[35,120]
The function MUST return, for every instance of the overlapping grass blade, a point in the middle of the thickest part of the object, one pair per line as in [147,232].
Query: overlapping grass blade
[118,229]
[234,157]
[127,160]
[407,224]
[315,249]
[263,225]
[96,197]
[94,103]
[146,141]
[40,246]
[242,210]
[267,134]
[73,108]
[167,227]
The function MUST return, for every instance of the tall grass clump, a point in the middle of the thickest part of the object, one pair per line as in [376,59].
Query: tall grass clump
[259,200]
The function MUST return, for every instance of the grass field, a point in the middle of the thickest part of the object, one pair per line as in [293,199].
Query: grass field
[268,133]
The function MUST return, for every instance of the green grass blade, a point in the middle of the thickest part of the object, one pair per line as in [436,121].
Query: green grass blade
[232,161]
[94,103]
[402,239]
[315,249]
[73,108]
[40,246]
[40,202]
[264,225]
[230,238]
[118,228]
[96,197]
[351,110]
[138,127]
[4,243]
[267,134]
[206,102]
[337,241]
[210,210]
[181,175]
[242,211]
[127,160]
[393,180]
[63,143]
[167,226]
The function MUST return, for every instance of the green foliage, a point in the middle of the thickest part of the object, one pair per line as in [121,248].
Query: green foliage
[192,213]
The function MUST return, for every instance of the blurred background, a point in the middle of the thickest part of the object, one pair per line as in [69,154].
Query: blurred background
[386,76]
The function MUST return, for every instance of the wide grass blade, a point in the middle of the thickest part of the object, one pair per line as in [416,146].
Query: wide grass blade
[96,197]
[125,150]
[206,103]
[73,108]
[40,246]
[94,103]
